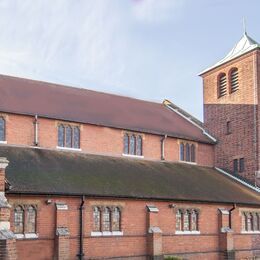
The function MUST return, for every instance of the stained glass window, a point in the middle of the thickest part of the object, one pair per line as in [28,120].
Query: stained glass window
[76,137]
[182,152]
[186,221]
[126,144]
[250,223]
[132,145]
[178,220]
[106,220]
[68,136]
[116,220]
[192,153]
[31,220]
[187,147]
[18,220]
[244,222]
[194,220]
[138,145]
[2,129]
[61,136]
[96,218]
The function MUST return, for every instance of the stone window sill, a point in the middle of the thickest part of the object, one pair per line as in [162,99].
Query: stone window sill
[107,233]
[133,156]
[3,142]
[250,232]
[26,236]
[192,163]
[187,232]
[68,148]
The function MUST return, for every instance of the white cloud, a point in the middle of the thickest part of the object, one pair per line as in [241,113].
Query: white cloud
[151,11]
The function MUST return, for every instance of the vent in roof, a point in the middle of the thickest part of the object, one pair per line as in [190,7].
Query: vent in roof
[234,80]
[222,84]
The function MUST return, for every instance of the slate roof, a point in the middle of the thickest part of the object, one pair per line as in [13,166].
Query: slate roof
[244,45]
[29,97]
[42,171]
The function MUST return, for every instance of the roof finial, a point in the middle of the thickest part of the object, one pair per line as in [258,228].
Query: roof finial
[244,25]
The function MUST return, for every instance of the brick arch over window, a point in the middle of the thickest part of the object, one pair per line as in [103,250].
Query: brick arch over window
[233,80]
[2,129]
[222,85]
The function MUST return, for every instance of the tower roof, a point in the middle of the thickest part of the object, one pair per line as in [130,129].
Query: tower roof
[244,45]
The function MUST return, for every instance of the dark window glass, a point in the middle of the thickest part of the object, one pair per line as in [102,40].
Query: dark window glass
[76,137]
[138,145]
[228,128]
[182,152]
[192,152]
[241,164]
[2,129]
[116,219]
[31,220]
[96,219]
[235,165]
[61,136]
[178,220]
[68,136]
[132,145]
[18,220]
[106,220]
[187,146]
[126,144]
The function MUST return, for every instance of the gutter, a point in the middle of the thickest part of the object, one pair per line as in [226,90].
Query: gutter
[238,180]
[81,237]
[230,216]
[191,121]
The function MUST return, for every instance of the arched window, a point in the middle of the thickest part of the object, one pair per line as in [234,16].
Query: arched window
[179,223]
[2,129]
[194,220]
[106,219]
[192,153]
[126,144]
[96,219]
[132,145]
[76,137]
[187,146]
[186,221]
[250,222]
[139,145]
[68,136]
[234,83]
[61,136]
[116,219]
[31,220]
[222,85]
[256,222]
[18,220]
[244,222]
[182,152]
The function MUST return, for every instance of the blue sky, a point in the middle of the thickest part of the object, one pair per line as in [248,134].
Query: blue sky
[148,49]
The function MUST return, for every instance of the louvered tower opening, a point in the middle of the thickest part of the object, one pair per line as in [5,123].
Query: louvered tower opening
[222,85]
[234,80]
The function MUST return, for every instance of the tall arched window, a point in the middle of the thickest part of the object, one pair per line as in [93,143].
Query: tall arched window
[68,136]
[192,153]
[116,219]
[126,144]
[250,222]
[18,220]
[76,137]
[31,220]
[139,145]
[222,85]
[2,129]
[96,219]
[182,152]
[179,223]
[61,136]
[244,222]
[194,220]
[187,147]
[186,221]
[106,218]
[234,83]
[132,145]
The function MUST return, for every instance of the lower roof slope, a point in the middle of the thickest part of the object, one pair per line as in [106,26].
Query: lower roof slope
[42,171]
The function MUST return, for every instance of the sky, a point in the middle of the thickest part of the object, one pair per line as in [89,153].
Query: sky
[147,49]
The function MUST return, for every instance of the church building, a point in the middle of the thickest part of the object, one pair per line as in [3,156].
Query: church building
[91,175]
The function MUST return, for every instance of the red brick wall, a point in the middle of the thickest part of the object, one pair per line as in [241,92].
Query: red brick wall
[239,109]
[134,226]
[97,139]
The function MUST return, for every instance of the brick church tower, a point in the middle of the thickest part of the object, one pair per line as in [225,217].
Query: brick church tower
[231,90]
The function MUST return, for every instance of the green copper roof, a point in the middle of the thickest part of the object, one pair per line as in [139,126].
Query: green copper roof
[244,45]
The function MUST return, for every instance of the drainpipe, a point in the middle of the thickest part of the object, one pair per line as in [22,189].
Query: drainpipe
[81,210]
[230,216]
[162,147]
[36,123]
